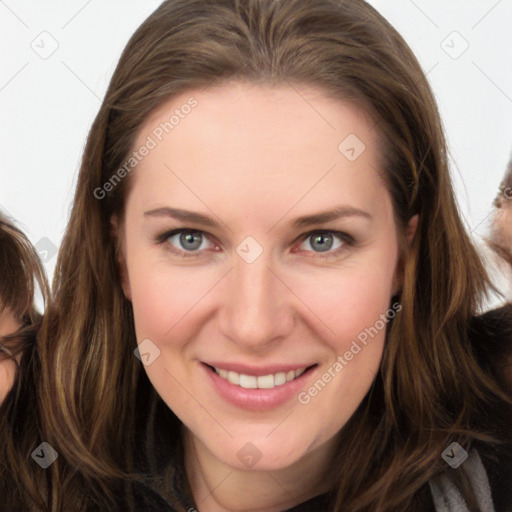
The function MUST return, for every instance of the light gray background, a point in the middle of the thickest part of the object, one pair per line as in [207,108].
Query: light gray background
[48,102]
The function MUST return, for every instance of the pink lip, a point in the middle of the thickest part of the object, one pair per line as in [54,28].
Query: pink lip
[257,371]
[257,399]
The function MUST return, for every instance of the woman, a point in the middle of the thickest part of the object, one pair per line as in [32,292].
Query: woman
[500,239]
[19,319]
[22,277]
[496,325]
[264,294]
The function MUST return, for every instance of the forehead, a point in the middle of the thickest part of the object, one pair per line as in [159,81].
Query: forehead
[248,145]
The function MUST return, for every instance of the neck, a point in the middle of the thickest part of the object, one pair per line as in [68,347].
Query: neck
[218,487]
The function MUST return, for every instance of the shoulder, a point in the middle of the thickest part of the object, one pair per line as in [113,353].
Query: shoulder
[497,462]
[147,499]
[494,325]
[490,474]
[133,496]
[490,336]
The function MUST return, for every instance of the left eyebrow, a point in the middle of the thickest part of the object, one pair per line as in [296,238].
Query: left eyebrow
[330,215]
[300,222]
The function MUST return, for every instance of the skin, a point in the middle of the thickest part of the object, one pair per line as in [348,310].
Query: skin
[255,158]
[502,231]
[502,237]
[8,325]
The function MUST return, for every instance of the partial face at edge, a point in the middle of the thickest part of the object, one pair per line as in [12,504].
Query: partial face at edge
[256,292]
[8,325]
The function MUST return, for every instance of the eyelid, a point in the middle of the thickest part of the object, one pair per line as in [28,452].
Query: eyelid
[345,237]
[164,237]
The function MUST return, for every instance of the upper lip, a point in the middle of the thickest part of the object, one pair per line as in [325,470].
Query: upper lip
[257,371]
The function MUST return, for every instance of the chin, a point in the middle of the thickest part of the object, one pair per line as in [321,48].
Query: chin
[264,452]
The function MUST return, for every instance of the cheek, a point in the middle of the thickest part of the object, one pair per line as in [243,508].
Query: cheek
[7,376]
[357,311]
[163,300]
[155,304]
[348,301]
[162,294]
[506,226]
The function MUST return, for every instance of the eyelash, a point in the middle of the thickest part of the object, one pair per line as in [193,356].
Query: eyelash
[345,238]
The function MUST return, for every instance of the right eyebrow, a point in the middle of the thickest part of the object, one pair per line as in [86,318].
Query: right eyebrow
[184,215]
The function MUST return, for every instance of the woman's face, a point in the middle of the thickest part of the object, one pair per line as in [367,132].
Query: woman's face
[8,325]
[266,284]
[503,227]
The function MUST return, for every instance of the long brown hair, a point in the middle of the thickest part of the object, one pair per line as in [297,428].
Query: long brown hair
[430,390]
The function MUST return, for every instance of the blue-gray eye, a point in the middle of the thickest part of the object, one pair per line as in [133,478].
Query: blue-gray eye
[323,241]
[189,240]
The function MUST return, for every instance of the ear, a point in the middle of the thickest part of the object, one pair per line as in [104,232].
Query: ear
[410,231]
[118,238]
[411,228]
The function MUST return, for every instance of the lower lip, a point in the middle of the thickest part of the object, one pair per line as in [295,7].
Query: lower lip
[257,399]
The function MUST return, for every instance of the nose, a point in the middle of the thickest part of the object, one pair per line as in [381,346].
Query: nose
[257,307]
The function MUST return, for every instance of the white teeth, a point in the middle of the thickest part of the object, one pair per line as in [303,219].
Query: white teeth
[233,377]
[266,381]
[262,382]
[279,378]
[248,381]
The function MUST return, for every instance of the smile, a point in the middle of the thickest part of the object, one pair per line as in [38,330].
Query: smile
[261,382]
[257,388]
